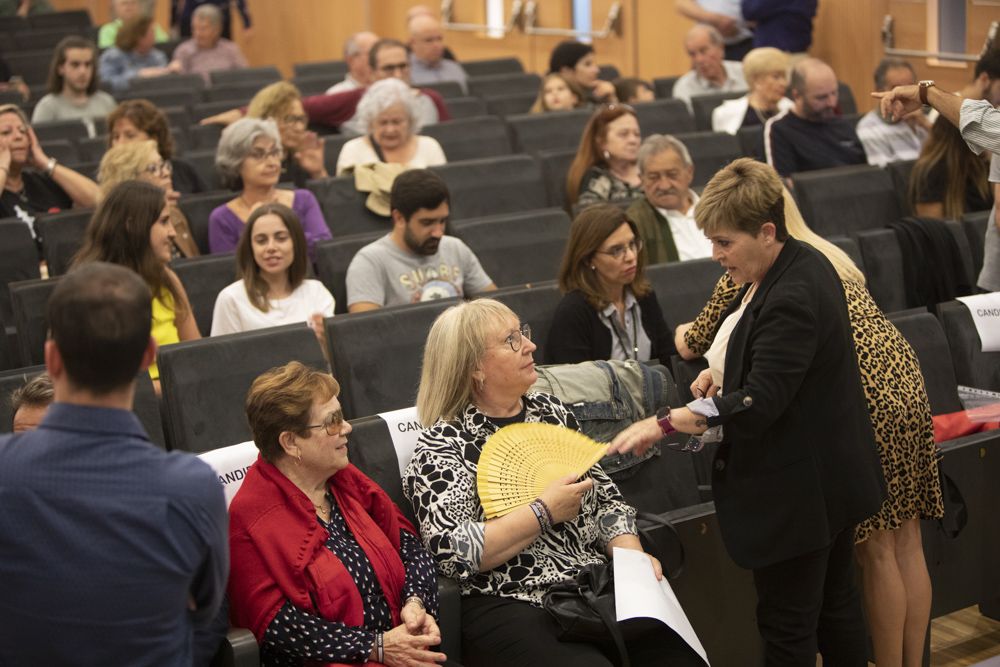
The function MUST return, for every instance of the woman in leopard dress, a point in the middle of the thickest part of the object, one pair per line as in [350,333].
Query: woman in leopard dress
[897,587]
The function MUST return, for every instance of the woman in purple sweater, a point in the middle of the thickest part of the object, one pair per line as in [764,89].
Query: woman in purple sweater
[249,159]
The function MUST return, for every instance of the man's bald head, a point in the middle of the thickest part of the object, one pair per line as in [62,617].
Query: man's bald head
[814,90]
[426,39]
[706,50]
[356,50]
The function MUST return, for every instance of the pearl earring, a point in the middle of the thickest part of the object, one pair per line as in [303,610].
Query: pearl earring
[607,155]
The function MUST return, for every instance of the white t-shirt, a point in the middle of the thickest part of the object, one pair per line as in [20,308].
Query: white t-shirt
[234,312]
[359,151]
[690,241]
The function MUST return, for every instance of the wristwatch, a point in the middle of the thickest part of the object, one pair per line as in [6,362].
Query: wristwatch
[663,421]
[922,87]
[51,166]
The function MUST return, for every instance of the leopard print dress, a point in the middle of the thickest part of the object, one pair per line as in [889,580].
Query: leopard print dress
[897,403]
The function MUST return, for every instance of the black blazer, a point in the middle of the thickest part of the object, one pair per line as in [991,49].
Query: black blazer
[798,463]
[578,334]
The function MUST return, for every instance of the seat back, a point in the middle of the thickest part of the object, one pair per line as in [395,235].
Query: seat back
[168,97]
[848,106]
[332,259]
[702,107]
[710,151]
[29,299]
[534,304]
[533,132]
[62,236]
[518,248]
[197,208]
[491,66]
[973,367]
[683,288]
[493,185]
[471,138]
[257,75]
[466,107]
[334,70]
[230,463]
[900,172]
[205,381]
[377,355]
[851,247]
[975,225]
[493,85]
[664,86]
[667,116]
[63,150]
[203,278]
[344,207]
[237,94]
[373,451]
[926,336]
[170,82]
[555,165]
[314,85]
[844,200]
[752,142]
[446,89]
[203,162]
[60,129]
[883,266]
[509,105]
[18,261]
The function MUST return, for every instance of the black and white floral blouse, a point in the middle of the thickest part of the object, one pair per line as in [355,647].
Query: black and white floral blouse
[600,186]
[440,482]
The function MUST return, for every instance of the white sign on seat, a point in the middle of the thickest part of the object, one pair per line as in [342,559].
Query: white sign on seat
[230,464]
[404,428]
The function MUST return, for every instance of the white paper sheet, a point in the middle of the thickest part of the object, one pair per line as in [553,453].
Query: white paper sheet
[985,309]
[639,595]
[404,427]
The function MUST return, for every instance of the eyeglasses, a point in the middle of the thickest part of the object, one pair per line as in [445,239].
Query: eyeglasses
[260,154]
[333,424]
[618,251]
[516,338]
[161,168]
[293,119]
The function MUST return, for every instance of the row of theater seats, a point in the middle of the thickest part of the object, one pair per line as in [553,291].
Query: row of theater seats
[204,382]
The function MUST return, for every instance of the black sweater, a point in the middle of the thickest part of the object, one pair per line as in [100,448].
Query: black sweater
[578,334]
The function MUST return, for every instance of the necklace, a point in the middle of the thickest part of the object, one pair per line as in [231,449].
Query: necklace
[325,511]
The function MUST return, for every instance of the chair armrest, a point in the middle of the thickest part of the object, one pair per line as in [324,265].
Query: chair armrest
[238,650]
[450,618]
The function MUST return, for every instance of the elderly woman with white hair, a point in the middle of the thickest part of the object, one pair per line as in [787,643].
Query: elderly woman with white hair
[766,72]
[249,160]
[389,117]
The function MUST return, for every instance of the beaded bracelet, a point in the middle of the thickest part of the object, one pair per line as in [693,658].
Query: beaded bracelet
[538,507]
[548,512]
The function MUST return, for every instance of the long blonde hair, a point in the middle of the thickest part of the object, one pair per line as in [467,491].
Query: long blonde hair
[455,348]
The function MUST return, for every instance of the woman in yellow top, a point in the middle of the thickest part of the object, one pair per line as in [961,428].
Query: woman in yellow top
[132,227]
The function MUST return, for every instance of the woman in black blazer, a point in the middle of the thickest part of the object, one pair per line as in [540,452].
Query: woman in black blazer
[798,466]
[609,310]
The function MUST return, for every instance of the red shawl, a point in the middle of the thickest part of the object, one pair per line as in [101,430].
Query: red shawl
[278,552]
[338,108]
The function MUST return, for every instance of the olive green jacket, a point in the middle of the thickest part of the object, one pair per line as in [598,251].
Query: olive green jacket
[654,231]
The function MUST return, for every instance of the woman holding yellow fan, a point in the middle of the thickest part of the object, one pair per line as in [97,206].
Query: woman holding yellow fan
[477,372]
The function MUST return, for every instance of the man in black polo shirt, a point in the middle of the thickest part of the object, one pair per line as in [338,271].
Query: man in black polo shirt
[812,135]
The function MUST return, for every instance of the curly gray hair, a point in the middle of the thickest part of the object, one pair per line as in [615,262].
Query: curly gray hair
[236,143]
[380,96]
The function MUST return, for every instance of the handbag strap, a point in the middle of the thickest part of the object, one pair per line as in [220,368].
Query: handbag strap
[610,622]
[675,571]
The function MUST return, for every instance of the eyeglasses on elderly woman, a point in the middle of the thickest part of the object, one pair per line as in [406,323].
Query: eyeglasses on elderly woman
[516,337]
[333,424]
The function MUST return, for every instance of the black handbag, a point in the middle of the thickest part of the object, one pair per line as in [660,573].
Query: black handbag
[584,607]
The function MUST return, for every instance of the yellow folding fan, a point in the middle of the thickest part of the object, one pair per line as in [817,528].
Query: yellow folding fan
[520,460]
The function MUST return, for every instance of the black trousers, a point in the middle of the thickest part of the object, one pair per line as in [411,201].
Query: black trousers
[811,604]
[499,632]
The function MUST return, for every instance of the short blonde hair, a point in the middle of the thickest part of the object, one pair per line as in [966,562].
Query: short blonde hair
[764,60]
[742,196]
[123,163]
[272,100]
[454,351]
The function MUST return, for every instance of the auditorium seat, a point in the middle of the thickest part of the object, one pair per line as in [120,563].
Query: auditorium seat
[533,132]
[964,251]
[334,256]
[203,162]
[64,18]
[446,89]
[844,200]
[203,278]
[703,105]
[315,85]
[179,116]
[170,82]
[344,207]
[205,381]
[70,130]
[752,142]
[926,336]
[334,70]
[883,262]
[510,105]
[376,355]
[258,75]
[973,367]
[203,137]
[92,149]
[711,151]
[555,165]
[492,66]
[664,86]
[851,247]
[900,172]
[167,97]
[471,138]
[28,300]
[493,185]
[683,288]
[18,262]
[608,73]
[63,150]
[518,248]
[975,225]
[845,100]
[534,304]
[466,107]
[238,94]
[47,38]
[197,208]
[206,109]
[62,236]
[332,144]
[664,117]
[32,66]
[493,85]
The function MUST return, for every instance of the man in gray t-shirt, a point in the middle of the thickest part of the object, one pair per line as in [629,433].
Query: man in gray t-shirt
[73,93]
[415,261]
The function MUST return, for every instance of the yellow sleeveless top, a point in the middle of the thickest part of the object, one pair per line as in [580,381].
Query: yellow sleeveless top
[164,328]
